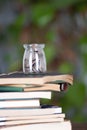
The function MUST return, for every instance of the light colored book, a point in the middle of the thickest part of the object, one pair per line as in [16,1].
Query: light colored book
[63,125]
[21,78]
[25,95]
[31,117]
[29,112]
[29,121]
[20,103]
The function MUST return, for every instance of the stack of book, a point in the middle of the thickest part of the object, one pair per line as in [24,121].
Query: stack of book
[20,106]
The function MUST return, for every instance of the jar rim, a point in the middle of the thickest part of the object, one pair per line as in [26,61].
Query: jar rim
[34,45]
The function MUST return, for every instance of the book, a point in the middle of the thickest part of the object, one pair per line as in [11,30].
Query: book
[26,117]
[64,125]
[29,112]
[29,121]
[26,88]
[31,117]
[21,78]
[25,95]
[29,103]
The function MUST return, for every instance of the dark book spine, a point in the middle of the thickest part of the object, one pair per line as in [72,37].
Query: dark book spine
[11,89]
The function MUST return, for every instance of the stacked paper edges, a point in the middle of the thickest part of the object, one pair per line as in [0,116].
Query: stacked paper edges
[20,101]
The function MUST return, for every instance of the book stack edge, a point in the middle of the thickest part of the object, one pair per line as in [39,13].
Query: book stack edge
[20,106]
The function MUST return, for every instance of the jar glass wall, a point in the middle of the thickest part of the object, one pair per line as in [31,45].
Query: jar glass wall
[34,60]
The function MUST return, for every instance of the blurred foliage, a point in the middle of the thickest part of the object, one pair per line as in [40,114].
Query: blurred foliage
[74,101]
[62,25]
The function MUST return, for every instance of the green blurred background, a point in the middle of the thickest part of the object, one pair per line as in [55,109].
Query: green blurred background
[62,26]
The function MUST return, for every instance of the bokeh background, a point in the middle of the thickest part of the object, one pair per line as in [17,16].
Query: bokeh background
[62,26]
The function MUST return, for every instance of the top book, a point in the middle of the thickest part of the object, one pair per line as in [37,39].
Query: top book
[37,79]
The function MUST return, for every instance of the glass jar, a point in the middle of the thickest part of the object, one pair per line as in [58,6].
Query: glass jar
[34,60]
